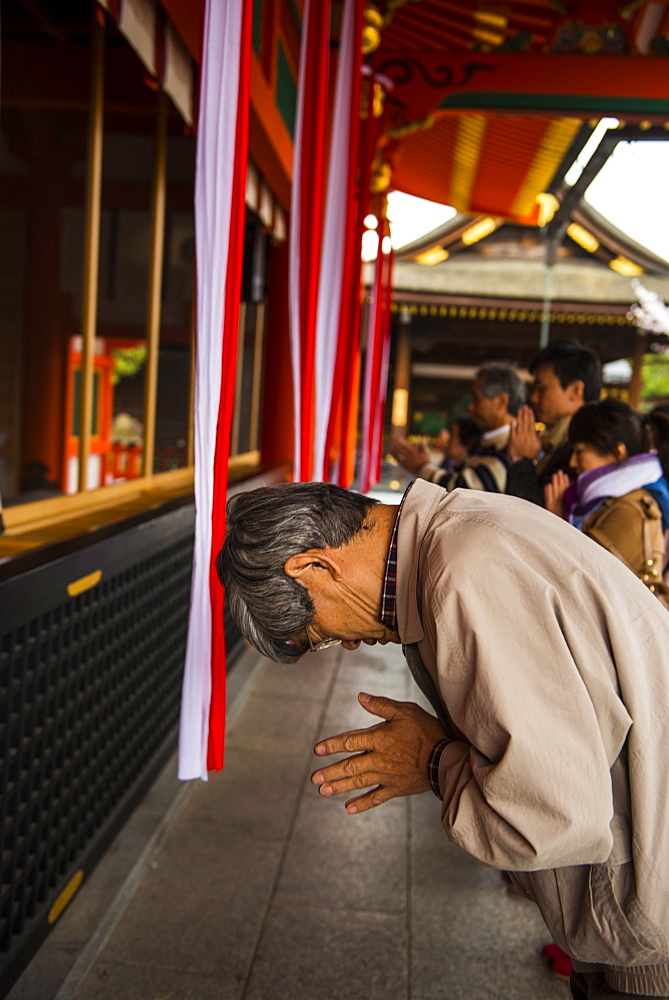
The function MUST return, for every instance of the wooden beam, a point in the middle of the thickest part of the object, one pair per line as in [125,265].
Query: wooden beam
[256,385]
[640,348]
[545,84]
[89,311]
[155,282]
[236,413]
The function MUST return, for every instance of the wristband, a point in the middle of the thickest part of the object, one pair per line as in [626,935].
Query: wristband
[433,765]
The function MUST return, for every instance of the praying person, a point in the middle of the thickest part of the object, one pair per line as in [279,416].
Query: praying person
[546,664]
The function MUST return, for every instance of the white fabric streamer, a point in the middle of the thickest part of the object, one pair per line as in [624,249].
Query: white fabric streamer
[294,251]
[334,240]
[213,201]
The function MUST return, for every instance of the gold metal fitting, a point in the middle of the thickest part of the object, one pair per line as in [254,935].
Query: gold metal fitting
[372,22]
[548,206]
[491,20]
[379,96]
[381,177]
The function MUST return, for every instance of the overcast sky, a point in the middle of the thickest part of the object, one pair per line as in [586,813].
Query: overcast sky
[631,190]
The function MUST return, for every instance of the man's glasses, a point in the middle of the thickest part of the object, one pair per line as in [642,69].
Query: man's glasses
[324,644]
[300,648]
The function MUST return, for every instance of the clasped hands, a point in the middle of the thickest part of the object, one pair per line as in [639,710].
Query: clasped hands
[412,457]
[524,442]
[390,758]
[554,493]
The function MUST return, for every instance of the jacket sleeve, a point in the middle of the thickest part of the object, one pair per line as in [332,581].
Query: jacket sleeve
[435,474]
[481,472]
[522,482]
[526,782]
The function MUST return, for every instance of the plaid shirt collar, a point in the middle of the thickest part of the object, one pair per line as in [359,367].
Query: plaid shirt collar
[388,615]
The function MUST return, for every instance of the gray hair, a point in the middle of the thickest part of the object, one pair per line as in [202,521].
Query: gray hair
[498,376]
[264,528]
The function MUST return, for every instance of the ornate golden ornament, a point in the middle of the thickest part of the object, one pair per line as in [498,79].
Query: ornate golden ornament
[382,174]
[372,22]
[415,126]
[378,98]
[548,206]
[582,236]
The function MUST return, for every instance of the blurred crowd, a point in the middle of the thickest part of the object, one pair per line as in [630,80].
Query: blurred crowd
[597,463]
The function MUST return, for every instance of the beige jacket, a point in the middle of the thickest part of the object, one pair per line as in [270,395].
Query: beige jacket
[549,662]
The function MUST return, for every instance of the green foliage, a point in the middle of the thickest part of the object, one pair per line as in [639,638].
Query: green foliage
[654,379]
[127,361]
[429,422]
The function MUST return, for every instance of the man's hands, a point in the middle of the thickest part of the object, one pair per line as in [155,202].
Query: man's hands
[391,757]
[524,442]
[410,456]
[554,493]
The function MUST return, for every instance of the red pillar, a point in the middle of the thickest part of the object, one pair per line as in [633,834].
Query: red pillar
[276,435]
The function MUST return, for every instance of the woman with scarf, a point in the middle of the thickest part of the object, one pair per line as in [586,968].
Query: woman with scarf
[621,495]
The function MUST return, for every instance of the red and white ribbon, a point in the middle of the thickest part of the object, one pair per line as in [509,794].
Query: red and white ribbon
[222,153]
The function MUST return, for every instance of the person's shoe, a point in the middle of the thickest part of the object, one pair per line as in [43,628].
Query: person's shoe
[559,961]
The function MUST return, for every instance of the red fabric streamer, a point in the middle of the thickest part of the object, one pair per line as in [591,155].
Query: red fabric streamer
[215,749]
[311,195]
[349,321]
[352,305]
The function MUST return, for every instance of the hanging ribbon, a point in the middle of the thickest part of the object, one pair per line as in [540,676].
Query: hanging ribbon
[339,277]
[222,153]
[378,331]
[325,314]
[346,391]
[306,218]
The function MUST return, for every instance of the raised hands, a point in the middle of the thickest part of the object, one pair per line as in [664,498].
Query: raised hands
[554,493]
[410,456]
[524,442]
[389,758]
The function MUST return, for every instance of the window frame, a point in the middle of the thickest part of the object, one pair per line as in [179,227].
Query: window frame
[23,519]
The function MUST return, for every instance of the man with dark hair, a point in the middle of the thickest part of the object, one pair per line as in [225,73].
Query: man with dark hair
[498,392]
[566,375]
[546,663]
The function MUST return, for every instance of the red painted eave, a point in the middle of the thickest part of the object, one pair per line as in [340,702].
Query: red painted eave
[187,16]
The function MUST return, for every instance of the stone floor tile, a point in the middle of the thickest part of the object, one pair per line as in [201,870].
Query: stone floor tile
[377,669]
[116,981]
[276,723]
[256,793]
[308,953]
[202,905]
[312,676]
[347,862]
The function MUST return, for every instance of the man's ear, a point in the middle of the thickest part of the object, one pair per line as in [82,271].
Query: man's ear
[302,563]
[576,389]
[502,399]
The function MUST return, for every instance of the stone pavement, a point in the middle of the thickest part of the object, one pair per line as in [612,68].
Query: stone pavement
[259,889]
